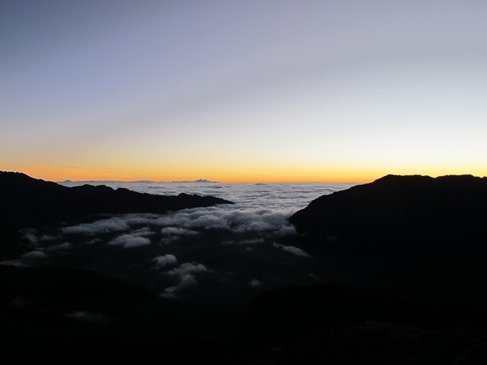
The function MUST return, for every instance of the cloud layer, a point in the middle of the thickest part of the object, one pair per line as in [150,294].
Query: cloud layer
[209,254]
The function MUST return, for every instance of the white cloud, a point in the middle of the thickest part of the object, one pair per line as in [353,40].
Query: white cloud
[93,241]
[185,276]
[139,218]
[143,232]
[287,230]
[208,221]
[242,220]
[185,281]
[130,240]
[291,249]
[136,238]
[98,227]
[255,283]
[255,226]
[33,255]
[188,268]
[169,239]
[14,263]
[252,241]
[60,247]
[30,237]
[177,231]
[164,261]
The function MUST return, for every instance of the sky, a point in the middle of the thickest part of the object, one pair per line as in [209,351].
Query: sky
[241,91]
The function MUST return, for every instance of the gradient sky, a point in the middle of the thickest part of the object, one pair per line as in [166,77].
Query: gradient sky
[243,90]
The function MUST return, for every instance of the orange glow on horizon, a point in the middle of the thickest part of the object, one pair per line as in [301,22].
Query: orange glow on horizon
[258,178]
[242,175]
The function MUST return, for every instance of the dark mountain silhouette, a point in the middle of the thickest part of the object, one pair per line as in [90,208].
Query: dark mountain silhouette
[406,207]
[26,202]
[408,253]
[435,223]
[98,182]
[418,234]
[28,198]
[204,181]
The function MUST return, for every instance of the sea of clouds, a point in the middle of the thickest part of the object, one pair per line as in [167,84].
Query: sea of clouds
[215,254]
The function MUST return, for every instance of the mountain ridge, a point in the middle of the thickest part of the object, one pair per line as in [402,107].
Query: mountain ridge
[425,196]
[27,202]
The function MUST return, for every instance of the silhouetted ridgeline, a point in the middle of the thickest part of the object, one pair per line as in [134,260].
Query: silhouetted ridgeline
[30,201]
[427,235]
[26,202]
[406,256]
[395,210]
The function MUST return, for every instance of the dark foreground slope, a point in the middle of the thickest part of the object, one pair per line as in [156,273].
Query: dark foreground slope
[66,316]
[406,260]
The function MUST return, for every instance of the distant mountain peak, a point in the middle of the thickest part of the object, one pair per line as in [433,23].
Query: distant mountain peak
[204,181]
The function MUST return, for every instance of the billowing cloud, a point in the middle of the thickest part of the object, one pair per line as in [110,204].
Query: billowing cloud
[252,241]
[287,230]
[177,231]
[33,256]
[163,261]
[30,237]
[98,227]
[224,218]
[255,283]
[130,240]
[46,237]
[207,221]
[14,263]
[139,219]
[291,249]
[188,268]
[185,276]
[60,247]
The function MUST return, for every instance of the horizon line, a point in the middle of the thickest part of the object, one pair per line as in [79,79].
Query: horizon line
[351,180]
[216,181]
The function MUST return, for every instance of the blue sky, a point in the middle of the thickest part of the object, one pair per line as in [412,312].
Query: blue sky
[243,90]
